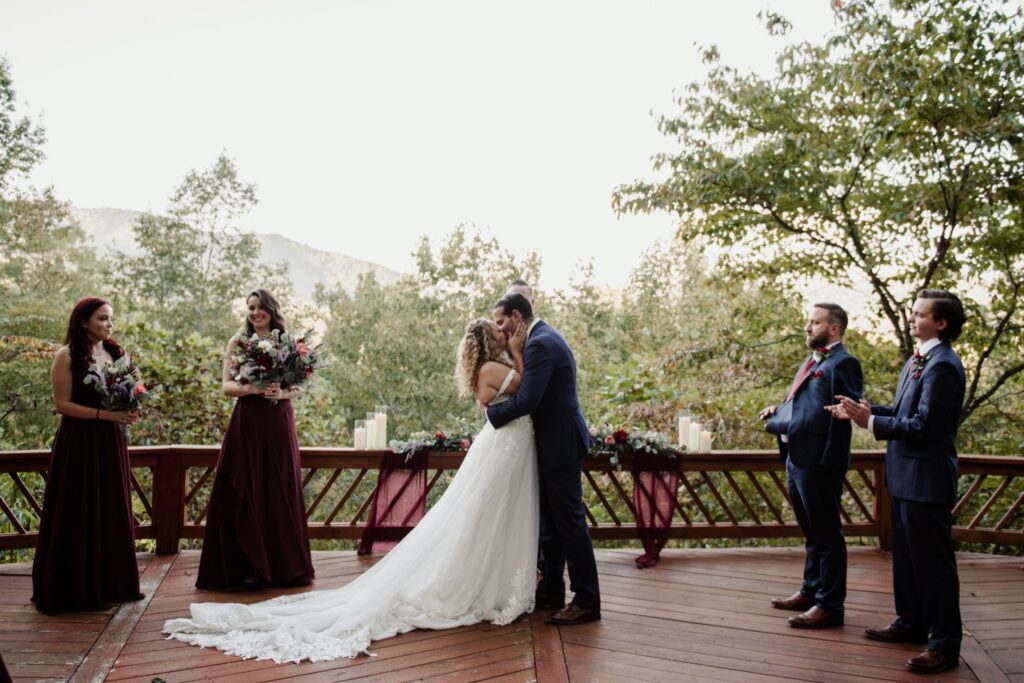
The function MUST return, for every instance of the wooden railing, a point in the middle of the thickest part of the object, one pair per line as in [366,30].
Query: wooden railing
[722,495]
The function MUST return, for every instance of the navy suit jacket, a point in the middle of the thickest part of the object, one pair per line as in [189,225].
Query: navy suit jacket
[547,392]
[815,437]
[921,427]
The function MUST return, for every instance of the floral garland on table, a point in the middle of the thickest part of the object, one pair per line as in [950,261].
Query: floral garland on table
[439,441]
[605,441]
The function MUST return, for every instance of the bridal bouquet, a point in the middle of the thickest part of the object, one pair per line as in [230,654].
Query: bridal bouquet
[611,443]
[118,384]
[288,359]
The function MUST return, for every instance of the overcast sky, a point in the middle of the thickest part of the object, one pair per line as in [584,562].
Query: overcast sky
[366,125]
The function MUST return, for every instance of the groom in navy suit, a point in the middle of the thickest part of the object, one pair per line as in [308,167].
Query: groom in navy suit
[921,473]
[816,447]
[547,393]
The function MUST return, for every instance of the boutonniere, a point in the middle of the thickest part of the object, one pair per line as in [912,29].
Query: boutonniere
[918,367]
[817,375]
[822,354]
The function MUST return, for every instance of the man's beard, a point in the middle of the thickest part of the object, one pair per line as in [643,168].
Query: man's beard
[815,343]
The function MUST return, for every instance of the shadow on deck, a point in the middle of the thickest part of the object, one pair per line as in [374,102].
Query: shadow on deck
[700,615]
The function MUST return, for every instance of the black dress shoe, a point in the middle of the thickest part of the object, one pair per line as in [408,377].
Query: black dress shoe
[932,661]
[893,633]
[573,614]
[542,600]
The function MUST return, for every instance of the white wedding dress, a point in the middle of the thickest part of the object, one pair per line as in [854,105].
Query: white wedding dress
[472,558]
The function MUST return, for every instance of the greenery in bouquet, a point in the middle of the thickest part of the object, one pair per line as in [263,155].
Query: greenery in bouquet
[118,384]
[285,358]
[612,443]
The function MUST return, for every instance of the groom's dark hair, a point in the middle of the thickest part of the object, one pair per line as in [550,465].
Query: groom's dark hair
[836,316]
[515,302]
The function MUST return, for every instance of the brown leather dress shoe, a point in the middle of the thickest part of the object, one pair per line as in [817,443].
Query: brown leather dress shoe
[894,633]
[542,600]
[797,602]
[816,617]
[932,661]
[573,614]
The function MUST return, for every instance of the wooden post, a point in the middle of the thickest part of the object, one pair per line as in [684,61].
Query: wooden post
[168,501]
[883,508]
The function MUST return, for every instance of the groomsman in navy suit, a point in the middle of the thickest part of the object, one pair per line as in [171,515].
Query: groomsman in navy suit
[816,447]
[921,473]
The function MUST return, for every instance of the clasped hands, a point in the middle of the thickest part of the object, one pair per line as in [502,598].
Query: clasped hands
[272,391]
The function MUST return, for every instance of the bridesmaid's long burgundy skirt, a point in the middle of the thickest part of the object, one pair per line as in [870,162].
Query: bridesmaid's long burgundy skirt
[256,531]
[85,557]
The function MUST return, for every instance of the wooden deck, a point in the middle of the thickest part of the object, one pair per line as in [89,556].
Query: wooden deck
[700,615]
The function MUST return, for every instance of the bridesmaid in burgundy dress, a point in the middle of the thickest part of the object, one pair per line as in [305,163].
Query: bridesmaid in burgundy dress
[85,557]
[256,531]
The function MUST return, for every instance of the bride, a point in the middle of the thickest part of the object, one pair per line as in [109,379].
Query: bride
[470,559]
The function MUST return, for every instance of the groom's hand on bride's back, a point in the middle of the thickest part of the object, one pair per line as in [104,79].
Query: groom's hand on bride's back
[768,412]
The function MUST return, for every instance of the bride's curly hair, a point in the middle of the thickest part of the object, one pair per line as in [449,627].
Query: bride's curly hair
[476,348]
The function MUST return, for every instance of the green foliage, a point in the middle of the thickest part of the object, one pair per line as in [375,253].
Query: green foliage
[890,155]
[196,265]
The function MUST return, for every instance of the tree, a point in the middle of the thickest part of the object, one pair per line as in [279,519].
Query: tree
[395,344]
[196,263]
[45,266]
[892,154]
[21,140]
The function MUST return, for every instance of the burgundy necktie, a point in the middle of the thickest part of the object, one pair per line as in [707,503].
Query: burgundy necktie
[804,371]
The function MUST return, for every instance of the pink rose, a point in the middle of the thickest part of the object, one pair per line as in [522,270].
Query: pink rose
[140,388]
[302,348]
[464,444]
[609,440]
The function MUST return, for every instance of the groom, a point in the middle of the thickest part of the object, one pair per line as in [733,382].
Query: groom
[547,393]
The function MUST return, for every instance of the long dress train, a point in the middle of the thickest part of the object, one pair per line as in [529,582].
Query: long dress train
[471,559]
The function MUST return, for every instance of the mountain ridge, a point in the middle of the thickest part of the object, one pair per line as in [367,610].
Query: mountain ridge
[110,229]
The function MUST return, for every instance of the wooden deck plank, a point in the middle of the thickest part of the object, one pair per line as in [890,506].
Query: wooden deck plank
[699,615]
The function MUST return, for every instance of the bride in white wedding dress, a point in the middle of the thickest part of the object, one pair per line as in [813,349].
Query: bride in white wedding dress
[471,558]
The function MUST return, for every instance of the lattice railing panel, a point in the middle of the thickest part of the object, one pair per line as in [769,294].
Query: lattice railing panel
[989,503]
[21,501]
[725,498]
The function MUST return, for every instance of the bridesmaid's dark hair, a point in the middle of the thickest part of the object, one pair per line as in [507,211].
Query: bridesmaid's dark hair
[77,339]
[270,304]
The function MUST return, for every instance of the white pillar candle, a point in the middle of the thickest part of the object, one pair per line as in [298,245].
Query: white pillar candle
[381,430]
[693,443]
[684,429]
[371,435]
[359,441]
[705,442]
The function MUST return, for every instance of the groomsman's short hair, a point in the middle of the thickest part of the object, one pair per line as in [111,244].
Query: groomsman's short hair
[515,302]
[946,306]
[836,316]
